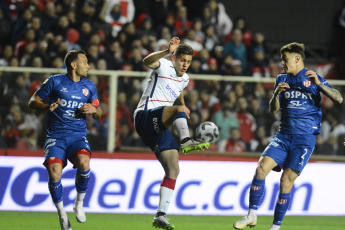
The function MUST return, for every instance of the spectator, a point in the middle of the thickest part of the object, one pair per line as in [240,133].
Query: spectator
[220,18]
[233,144]
[237,48]
[259,65]
[190,40]
[247,122]
[182,24]
[226,120]
[241,24]
[211,39]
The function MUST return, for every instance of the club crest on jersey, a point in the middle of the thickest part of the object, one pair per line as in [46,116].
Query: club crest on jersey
[307,83]
[282,201]
[85,92]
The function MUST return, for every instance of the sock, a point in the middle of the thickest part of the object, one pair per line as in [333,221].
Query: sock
[56,191]
[252,212]
[165,193]
[180,124]
[59,206]
[256,192]
[282,206]
[81,180]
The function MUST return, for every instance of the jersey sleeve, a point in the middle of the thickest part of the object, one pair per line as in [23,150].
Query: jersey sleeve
[46,88]
[93,96]
[323,81]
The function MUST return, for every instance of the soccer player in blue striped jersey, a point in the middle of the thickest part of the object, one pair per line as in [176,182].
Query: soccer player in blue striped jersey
[156,112]
[70,97]
[297,94]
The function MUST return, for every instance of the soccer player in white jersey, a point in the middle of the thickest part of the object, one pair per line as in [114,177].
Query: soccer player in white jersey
[297,94]
[156,112]
[70,97]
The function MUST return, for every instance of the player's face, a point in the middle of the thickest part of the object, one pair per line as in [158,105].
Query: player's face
[289,62]
[82,66]
[182,63]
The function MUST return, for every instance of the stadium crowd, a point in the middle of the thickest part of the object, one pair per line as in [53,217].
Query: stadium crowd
[116,35]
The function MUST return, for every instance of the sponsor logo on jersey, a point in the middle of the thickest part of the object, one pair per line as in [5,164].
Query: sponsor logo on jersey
[171,91]
[296,94]
[76,97]
[307,83]
[85,92]
[71,104]
[255,188]
[282,201]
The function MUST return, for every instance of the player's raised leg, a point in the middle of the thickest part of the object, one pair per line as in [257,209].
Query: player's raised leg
[257,189]
[82,163]
[54,167]
[169,160]
[177,115]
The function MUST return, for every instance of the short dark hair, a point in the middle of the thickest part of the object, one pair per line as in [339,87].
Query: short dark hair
[183,49]
[294,48]
[71,56]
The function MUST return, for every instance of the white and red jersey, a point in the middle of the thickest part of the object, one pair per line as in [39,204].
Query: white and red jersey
[163,88]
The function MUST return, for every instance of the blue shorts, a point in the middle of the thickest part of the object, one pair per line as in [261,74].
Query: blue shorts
[64,147]
[291,150]
[149,126]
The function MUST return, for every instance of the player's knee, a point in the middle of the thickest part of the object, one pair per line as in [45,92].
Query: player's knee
[285,184]
[261,172]
[173,172]
[54,175]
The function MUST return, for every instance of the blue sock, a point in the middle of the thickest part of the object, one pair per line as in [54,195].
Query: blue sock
[56,190]
[256,192]
[81,180]
[282,206]
[180,115]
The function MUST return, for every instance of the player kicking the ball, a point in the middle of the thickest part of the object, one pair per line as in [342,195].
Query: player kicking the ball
[156,112]
[297,94]
[70,97]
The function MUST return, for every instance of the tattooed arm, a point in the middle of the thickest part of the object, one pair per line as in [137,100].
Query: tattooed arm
[333,94]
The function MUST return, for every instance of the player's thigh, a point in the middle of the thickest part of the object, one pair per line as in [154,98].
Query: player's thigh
[278,149]
[148,123]
[265,165]
[301,150]
[55,148]
[78,150]
[169,113]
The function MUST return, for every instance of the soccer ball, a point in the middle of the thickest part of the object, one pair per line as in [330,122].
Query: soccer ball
[207,132]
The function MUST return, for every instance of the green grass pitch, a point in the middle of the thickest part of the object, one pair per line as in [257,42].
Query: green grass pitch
[10,220]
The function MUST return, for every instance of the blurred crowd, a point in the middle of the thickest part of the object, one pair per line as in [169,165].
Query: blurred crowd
[116,35]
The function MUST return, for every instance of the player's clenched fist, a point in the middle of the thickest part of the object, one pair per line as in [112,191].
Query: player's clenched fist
[54,105]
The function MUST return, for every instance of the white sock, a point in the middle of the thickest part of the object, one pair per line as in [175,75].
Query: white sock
[80,198]
[59,206]
[252,212]
[276,227]
[165,195]
[181,126]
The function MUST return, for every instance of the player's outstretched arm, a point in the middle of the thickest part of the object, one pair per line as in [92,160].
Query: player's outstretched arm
[333,94]
[36,103]
[151,60]
[274,104]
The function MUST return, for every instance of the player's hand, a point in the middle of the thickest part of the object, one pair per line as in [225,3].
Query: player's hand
[281,88]
[54,105]
[313,77]
[88,109]
[174,42]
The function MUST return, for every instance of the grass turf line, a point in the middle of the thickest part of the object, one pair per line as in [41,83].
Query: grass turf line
[13,220]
